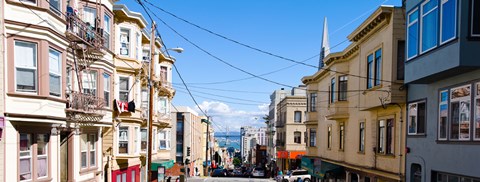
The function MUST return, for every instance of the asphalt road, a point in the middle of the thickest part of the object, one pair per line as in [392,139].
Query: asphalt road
[229,179]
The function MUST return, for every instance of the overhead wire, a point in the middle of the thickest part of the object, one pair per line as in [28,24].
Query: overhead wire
[257,49]
[234,98]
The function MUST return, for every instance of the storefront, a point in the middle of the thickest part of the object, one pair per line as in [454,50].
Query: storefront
[289,160]
[325,171]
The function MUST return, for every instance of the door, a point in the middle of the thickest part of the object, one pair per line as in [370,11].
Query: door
[64,137]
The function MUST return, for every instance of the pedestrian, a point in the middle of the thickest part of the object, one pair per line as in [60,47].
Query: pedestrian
[169,179]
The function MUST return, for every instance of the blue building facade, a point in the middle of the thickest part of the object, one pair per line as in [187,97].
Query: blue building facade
[442,73]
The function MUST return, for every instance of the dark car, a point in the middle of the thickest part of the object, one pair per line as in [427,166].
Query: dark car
[219,173]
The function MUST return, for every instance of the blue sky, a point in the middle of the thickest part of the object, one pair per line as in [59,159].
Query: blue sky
[288,28]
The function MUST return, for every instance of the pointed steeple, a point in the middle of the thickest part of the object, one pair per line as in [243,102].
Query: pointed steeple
[325,49]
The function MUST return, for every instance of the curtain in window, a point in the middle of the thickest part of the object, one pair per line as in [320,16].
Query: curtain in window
[26,63]
[429,25]
[89,15]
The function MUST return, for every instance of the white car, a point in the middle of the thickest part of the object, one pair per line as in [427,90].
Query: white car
[258,172]
[293,175]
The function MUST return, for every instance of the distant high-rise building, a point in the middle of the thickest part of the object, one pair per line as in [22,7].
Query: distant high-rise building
[251,136]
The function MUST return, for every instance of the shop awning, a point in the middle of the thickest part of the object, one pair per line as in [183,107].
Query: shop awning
[165,163]
[324,168]
[307,164]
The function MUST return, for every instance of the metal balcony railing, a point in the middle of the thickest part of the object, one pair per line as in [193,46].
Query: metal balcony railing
[84,107]
[82,32]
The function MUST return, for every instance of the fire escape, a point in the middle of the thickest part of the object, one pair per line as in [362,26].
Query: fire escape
[86,46]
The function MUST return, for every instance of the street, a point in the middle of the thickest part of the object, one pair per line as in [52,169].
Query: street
[223,179]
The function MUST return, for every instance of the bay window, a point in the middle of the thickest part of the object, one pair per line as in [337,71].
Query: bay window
[313,137]
[29,1]
[106,89]
[164,138]
[143,133]
[342,88]
[33,165]
[412,34]
[89,16]
[123,140]
[55,6]
[106,30]
[297,116]
[416,118]
[374,68]
[313,102]
[25,57]
[89,82]
[55,73]
[137,140]
[429,22]
[378,67]
[385,136]
[154,140]
[163,74]
[332,90]
[88,148]
[124,42]
[448,14]
[124,88]
[370,69]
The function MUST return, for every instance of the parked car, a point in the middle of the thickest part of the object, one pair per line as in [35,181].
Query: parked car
[237,173]
[293,175]
[258,172]
[219,173]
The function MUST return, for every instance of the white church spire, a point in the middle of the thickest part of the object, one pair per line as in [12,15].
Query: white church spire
[325,49]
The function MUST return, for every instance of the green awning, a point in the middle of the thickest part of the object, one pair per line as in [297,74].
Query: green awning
[307,164]
[165,163]
[325,168]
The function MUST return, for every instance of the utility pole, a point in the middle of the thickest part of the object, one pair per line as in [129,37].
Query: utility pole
[150,104]
[205,170]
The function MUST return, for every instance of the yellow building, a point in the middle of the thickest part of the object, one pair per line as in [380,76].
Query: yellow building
[356,105]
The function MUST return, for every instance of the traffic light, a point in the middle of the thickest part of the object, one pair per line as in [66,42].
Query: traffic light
[188,151]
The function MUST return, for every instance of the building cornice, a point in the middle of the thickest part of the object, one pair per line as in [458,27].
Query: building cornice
[376,20]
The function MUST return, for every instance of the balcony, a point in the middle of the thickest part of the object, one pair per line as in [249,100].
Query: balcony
[84,108]
[85,35]
[382,96]
[337,110]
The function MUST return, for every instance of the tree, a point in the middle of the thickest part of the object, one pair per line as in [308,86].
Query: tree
[237,161]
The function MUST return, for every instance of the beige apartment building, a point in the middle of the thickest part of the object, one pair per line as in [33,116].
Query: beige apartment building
[291,130]
[356,105]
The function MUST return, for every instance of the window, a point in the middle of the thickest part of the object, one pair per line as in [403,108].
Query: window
[342,137]
[361,146]
[163,74]
[164,137]
[124,89]
[124,42]
[33,165]
[329,137]
[475,30]
[443,115]
[69,79]
[448,15]
[378,67]
[89,16]
[313,102]
[297,137]
[370,71]
[163,106]
[89,82]
[143,140]
[106,89]
[88,148]
[137,140]
[460,113]
[26,66]
[416,118]
[298,116]
[55,6]
[106,30]
[342,88]
[29,1]
[138,53]
[313,137]
[416,173]
[444,177]
[412,34]
[374,68]
[123,140]
[429,15]
[154,139]
[385,136]
[332,90]
[477,112]
[401,60]
[55,67]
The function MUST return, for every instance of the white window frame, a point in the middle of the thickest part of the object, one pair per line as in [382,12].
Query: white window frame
[57,11]
[137,140]
[299,141]
[162,137]
[106,89]
[442,2]
[146,140]
[120,91]
[460,100]
[92,148]
[92,81]
[382,133]
[84,151]
[55,74]
[418,31]
[125,31]
[85,18]
[422,15]
[120,140]
[107,29]
[30,152]
[34,68]
[138,46]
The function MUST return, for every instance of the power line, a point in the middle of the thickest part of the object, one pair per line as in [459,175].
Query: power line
[234,98]
[166,50]
[213,99]
[254,48]
[227,90]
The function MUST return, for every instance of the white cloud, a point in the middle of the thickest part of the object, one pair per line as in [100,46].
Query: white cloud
[225,116]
